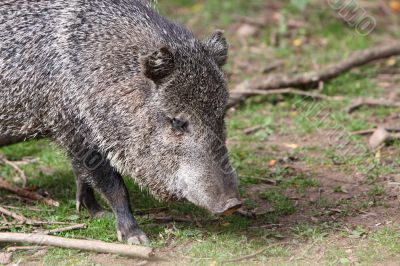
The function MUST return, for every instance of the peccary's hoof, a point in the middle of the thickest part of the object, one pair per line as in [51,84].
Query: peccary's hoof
[136,237]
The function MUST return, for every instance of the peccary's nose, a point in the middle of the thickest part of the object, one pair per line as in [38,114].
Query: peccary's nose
[231,206]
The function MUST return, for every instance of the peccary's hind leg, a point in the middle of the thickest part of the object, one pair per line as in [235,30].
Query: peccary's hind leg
[111,186]
[85,195]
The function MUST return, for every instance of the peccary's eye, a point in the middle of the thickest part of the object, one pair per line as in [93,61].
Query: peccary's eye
[179,124]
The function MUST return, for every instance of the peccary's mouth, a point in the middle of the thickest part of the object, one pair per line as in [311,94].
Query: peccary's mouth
[230,207]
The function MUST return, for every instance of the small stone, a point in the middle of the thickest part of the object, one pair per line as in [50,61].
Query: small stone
[5,257]
[247,30]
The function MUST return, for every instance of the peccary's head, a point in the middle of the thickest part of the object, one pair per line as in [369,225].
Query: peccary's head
[174,139]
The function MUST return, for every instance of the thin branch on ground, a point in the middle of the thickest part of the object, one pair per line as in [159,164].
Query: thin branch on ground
[381,135]
[247,257]
[168,219]
[304,253]
[24,207]
[363,132]
[150,210]
[266,226]
[357,103]
[13,165]
[372,130]
[251,130]
[9,226]
[85,245]
[312,79]
[64,229]
[23,220]
[26,193]
[293,91]
[24,248]
[20,218]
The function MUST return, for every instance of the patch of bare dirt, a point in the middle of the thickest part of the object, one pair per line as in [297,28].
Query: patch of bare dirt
[343,195]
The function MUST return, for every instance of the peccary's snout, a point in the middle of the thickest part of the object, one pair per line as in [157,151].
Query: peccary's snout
[209,188]
[230,207]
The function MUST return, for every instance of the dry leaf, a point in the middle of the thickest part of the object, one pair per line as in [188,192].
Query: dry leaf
[247,30]
[391,62]
[291,145]
[395,5]
[213,263]
[380,136]
[378,155]
[272,163]
[298,42]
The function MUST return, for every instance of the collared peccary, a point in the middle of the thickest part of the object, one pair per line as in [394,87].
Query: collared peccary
[124,91]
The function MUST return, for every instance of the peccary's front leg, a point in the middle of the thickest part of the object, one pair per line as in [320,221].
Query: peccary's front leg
[111,186]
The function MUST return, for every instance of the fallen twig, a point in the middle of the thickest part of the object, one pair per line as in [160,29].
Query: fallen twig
[382,134]
[315,77]
[86,245]
[286,91]
[26,193]
[25,207]
[168,219]
[372,130]
[371,102]
[64,229]
[265,226]
[14,215]
[150,210]
[251,130]
[252,255]
[304,253]
[16,168]
[248,256]
[9,226]
[38,223]
[273,66]
[363,132]
[24,248]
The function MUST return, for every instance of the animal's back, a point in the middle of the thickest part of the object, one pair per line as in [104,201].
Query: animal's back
[53,52]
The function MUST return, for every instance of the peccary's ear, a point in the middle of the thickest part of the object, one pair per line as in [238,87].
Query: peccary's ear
[218,47]
[158,65]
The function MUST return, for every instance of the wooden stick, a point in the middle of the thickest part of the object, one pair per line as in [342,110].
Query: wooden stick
[150,210]
[265,226]
[14,215]
[315,77]
[372,130]
[26,193]
[38,223]
[16,168]
[363,132]
[64,229]
[23,248]
[286,91]
[357,103]
[9,226]
[250,256]
[86,245]
[18,208]
[251,130]
[168,219]
[22,219]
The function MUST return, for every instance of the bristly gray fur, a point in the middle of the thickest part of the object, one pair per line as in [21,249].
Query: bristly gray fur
[94,72]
